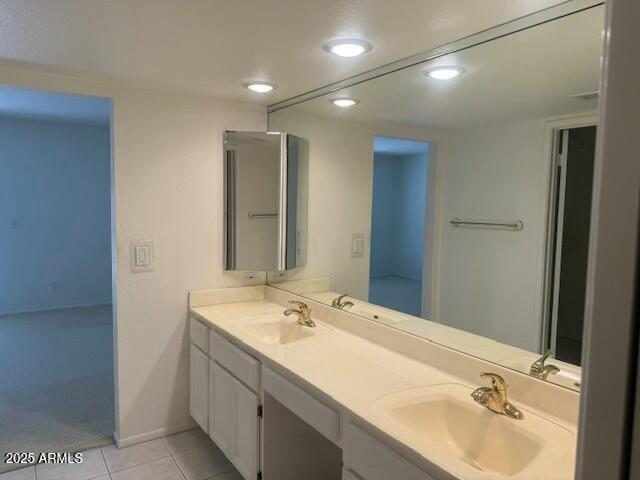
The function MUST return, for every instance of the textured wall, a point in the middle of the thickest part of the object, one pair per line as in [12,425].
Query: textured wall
[167,187]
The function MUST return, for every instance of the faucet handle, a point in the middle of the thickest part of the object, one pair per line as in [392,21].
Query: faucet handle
[497,382]
[304,308]
[336,302]
[544,357]
[540,370]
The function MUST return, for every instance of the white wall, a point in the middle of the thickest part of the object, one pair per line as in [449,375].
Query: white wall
[340,192]
[167,185]
[55,231]
[490,281]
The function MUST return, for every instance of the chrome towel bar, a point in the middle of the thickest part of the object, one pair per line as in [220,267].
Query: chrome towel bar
[515,225]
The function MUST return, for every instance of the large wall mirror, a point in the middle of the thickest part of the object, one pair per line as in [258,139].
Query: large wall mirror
[450,197]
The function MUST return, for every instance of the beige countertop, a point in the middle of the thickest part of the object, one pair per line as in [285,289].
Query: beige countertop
[355,373]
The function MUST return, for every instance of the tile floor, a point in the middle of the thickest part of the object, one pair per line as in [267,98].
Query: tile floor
[185,456]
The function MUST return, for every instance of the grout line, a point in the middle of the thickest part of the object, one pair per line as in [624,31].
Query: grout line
[189,449]
[105,462]
[138,465]
[178,467]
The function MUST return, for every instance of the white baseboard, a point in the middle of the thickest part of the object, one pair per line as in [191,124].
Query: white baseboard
[145,437]
[54,309]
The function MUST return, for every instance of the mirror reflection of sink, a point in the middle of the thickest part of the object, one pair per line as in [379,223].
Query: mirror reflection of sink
[275,329]
[443,421]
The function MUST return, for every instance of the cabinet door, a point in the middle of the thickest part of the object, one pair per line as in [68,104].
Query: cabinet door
[248,422]
[198,387]
[233,420]
[222,409]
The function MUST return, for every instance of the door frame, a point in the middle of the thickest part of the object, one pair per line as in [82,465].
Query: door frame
[610,354]
[553,134]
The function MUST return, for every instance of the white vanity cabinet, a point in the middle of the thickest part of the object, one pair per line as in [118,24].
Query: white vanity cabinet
[198,387]
[234,422]
[367,458]
[224,399]
[304,434]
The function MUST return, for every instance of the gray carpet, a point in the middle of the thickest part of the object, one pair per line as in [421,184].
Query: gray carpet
[56,381]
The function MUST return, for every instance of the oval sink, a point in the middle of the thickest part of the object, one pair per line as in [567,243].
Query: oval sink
[443,423]
[275,329]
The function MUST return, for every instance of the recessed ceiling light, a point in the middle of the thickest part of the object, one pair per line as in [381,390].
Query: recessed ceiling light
[348,48]
[344,102]
[445,72]
[260,87]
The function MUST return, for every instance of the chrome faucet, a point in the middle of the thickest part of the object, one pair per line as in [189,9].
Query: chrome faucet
[540,370]
[338,303]
[303,312]
[495,397]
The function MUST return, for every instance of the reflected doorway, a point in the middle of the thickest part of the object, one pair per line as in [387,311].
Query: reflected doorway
[570,248]
[400,170]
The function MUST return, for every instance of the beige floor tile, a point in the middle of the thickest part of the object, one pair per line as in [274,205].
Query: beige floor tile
[163,469]
[186,441]
[128,457]
[92,466]
[234,475]
[28,473]
[202,463]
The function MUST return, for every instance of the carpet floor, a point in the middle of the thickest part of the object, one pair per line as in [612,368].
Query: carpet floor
[56,381]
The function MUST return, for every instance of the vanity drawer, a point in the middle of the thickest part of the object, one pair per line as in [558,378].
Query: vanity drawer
[242,365]
[373,460]
[321,417]
[199,334]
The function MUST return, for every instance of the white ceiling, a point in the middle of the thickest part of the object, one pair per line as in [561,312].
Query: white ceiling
[529,74]
[55,106]
[213,46]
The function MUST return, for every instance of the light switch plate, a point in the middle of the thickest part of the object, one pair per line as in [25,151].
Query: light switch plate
[142,256]
[357,245]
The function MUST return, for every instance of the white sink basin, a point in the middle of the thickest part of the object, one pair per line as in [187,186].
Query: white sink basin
[275,329]
[444,424]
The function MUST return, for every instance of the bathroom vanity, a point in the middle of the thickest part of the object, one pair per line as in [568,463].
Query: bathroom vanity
[434,214]
[284,401]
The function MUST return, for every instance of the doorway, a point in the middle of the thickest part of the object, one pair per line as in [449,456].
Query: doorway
[56,315]
[574,169]
[400,169]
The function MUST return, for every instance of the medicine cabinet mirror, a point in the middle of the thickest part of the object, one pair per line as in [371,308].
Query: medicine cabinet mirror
[265,201]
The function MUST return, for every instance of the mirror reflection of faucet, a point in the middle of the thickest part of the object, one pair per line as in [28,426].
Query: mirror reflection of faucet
[542,371]
[338,303]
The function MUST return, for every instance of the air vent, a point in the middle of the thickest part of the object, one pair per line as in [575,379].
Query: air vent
[586,95]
